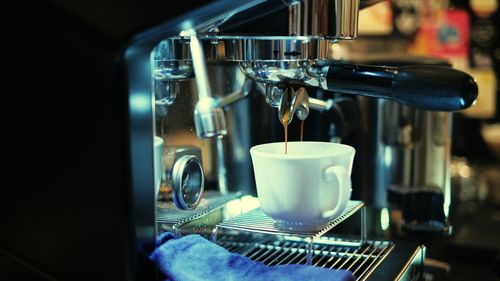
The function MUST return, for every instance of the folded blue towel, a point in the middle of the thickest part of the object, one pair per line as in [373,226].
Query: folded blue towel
[193,258]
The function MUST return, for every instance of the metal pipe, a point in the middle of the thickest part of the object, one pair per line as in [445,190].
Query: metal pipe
[346,19]
[320,105]
[329,19]
[208,115]
[200,68]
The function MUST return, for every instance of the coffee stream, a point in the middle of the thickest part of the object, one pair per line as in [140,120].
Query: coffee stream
[302,130]
[284,120]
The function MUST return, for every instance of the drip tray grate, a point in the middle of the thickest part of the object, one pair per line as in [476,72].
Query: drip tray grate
[361,260]
[169,214]
[257,221]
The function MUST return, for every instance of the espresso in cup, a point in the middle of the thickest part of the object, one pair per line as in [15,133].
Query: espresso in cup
[305,188]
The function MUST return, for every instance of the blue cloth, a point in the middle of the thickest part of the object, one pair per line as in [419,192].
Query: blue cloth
[193,258]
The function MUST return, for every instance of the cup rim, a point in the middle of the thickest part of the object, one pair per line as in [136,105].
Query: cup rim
[158,140]
[254,150]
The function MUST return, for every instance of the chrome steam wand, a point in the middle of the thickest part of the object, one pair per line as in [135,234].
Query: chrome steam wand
[208,114]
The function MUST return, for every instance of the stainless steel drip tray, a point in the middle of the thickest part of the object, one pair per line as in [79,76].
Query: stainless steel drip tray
[374,260]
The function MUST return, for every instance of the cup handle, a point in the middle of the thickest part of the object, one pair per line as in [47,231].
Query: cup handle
[339,174]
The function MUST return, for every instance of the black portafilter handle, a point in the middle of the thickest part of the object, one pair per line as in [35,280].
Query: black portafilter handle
[428,87]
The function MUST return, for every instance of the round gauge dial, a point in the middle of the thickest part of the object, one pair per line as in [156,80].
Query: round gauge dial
[187,182]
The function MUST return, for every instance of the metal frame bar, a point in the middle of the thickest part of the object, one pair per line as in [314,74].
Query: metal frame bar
[361,260]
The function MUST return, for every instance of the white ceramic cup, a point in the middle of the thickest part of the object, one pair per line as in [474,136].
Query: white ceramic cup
[158,163]
[305,188]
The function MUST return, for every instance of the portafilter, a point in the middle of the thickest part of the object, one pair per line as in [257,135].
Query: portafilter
[279,61]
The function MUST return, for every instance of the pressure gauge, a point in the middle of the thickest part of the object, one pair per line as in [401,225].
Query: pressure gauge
[187,182]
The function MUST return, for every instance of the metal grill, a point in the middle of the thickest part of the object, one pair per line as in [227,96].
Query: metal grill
[256,221]
[169,214]
[361,260]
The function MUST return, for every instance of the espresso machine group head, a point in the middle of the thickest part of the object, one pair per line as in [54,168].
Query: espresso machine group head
[300,57]
[273,60]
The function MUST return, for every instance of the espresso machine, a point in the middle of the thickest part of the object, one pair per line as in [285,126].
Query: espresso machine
[211,80]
